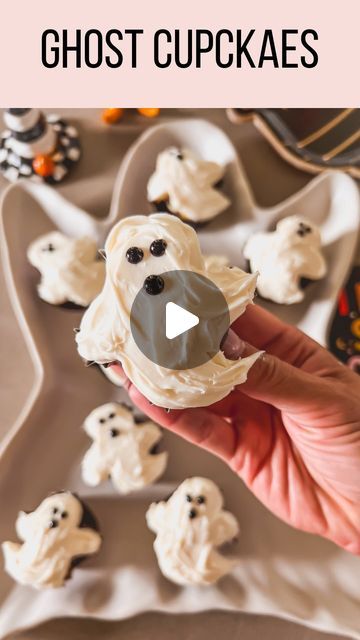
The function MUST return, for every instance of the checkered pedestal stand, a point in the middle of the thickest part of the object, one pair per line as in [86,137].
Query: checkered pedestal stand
[29,132]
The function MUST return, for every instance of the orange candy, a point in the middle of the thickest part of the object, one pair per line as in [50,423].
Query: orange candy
[149,113]
[43,165]
[110,116]
[355,328]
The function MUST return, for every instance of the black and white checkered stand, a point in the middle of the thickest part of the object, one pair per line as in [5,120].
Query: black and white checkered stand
[66,153]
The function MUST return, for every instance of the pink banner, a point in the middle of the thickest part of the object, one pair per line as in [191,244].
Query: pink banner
[190,53]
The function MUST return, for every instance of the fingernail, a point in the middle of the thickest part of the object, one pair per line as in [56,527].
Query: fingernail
[117,369]
[232,346]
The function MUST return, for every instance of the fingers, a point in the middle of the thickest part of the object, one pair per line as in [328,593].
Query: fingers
[260,328]
[198,426]
[286,387]
[120,374]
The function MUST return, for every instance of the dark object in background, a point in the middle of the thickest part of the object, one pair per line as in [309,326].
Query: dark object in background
[310,139]
[344,339]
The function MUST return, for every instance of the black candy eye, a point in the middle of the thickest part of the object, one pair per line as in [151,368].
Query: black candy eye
[102,420]
[111,415]
[200,500]
[158,248]
[188,498]
[134,255]
[154,285]
[55,510]
[114,433]
[303,230]
[49,247]
[177,153]
[64,514]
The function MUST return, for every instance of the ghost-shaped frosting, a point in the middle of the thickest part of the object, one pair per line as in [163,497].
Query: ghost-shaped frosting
[69,268]
[189,528]
[121,449]
[187,184]
[284,256]
[140,246]
[54,537]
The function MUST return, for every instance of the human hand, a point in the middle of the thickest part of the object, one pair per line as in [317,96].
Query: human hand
[291,431]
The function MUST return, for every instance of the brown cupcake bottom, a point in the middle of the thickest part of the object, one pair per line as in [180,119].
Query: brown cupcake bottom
[161,206]
[304,283]
[70,306]
[88,521]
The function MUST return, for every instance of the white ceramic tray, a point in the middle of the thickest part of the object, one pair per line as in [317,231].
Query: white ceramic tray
[281,571]
[330,200]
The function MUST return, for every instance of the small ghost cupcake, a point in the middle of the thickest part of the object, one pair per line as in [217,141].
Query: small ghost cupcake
[71,273]
[123,449]
[287,259]
[55,537]
[189,528]
[187,186]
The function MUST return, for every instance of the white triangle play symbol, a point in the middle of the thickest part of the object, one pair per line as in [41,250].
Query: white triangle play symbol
[178,320]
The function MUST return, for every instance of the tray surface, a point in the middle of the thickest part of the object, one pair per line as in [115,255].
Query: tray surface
[285,573]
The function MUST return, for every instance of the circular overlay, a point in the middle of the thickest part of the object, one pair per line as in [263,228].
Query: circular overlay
[196,295]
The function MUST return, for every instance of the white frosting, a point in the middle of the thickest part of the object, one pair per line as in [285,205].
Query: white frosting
[185,546]
[284,256]
[51,540]
[70,272]
[187,184]
[214,262]
[121,449]
[105,334]
[45,144]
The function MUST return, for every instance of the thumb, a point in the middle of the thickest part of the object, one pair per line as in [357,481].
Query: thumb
[282,385]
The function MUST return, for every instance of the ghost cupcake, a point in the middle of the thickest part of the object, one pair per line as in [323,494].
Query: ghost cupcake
[138,250]
[55,537]
[190,527]
[286,259]
[187,186]
[71,273]
[122,449]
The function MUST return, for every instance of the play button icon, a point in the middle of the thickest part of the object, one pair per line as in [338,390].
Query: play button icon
[179,320]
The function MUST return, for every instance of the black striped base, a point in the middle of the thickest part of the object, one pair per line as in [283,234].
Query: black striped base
[67,154]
